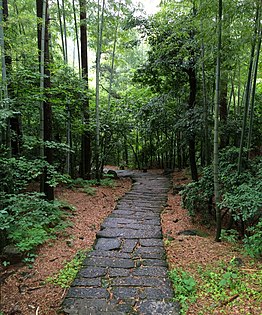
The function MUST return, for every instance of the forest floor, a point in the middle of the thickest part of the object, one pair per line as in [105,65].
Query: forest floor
[25,290]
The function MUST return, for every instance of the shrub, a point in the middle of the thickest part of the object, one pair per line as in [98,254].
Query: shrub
[253,242]
[16,174]
[241,194]
[29,220]
[185,288]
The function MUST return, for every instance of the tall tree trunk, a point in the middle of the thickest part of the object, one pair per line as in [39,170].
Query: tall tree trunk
[77,39]
[45,84]
[100,24]
[65,31]
[4,87]
[206,144]
[252,102]
[14,124]
[216,118]
[224,139]
[179,150]
[113,59]
[247,93]
[61,29]
[191,138]
[63,36]
[85,164]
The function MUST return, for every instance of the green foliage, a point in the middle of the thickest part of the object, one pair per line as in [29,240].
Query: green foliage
[253,242]
[241,194]
[29,220]
[230,236]
[107,182]
[185,288]
[86,185]
[30,258]
[66,275]
[197,196]
[216,282]
[16,174]
[221,283]
[91,191]
[4,114]
[244,201]
[5,263]
[27,239]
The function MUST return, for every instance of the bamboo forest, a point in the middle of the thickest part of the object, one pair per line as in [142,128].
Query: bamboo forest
[166,92]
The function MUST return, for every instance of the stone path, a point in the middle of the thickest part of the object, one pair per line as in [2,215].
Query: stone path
[127,272]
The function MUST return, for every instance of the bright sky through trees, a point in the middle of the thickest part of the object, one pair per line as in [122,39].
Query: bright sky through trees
[150,6]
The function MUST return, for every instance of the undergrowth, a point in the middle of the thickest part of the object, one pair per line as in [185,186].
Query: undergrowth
[241,199]
[66,276]
[89,186]
[184,287]
[28,220]
[217,287]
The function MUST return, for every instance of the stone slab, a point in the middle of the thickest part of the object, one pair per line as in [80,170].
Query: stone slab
[129,245]
[91,293]
[139,282]
[90,307]
[119,272]
[149,252]
[154,262]
[109,262]
[126,221]
[157,294]
[151,307]
[108,244]
[125,293]
[136,226]
[129,233]
[151,242]
[86,282]
[92,272]
[110,254]
[156,271]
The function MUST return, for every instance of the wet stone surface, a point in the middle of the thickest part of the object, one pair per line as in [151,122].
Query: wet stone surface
[127,272]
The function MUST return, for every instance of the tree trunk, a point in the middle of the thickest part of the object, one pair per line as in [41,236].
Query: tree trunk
[100,24]
[7,132]
[247,94]
[61,29]
[77,39]
[45,84]
[206,144]
[252,102]
[216,131]
[224,139]
[65,32]
[113,60]
[14,123]
[191,138]
[85,164]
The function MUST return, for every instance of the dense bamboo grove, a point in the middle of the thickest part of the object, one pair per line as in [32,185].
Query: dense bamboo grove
[88,83]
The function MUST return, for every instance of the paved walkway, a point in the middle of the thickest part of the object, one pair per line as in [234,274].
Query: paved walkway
[127,272]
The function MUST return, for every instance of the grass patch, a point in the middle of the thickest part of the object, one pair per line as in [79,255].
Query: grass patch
[221,287]
[184,287]
[88,186]
[66,276]
[229,285]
